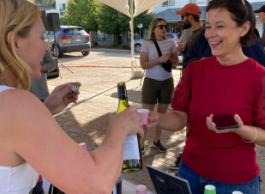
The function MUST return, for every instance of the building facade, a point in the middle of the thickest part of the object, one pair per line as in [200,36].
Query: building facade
[167,9]
[61,6]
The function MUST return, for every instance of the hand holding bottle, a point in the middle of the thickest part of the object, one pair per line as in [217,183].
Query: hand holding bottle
[127,120]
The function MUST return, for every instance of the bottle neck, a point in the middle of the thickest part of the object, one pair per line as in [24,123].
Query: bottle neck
[123,104]
[123,100]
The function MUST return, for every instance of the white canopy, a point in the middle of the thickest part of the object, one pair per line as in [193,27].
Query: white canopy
[120,5]
[140,5]
[123,7]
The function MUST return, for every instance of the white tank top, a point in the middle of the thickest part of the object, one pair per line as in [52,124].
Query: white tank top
[17,180]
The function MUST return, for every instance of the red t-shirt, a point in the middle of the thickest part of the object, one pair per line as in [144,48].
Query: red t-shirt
[208,87]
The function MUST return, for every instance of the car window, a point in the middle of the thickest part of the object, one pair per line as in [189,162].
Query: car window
[74,31]
[170,36]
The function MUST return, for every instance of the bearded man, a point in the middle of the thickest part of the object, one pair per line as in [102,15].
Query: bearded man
[190,17]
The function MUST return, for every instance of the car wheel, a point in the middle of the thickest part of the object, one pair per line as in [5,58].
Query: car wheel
[85,53]
[57,51]
[137,48]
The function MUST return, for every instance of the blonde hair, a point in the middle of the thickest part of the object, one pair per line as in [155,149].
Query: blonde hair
[17,16]
[152,28]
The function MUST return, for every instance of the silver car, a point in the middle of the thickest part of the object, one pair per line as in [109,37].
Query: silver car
[138,42]
[68,39]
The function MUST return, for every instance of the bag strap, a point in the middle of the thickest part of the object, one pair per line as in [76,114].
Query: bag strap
[158,49]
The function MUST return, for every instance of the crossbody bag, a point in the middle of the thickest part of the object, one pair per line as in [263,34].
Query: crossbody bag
[167,66]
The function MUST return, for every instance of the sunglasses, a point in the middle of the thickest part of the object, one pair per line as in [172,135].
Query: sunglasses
[162,26]
[182,16]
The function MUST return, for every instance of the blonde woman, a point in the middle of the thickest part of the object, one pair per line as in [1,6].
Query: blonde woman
[31,142]
[158,84]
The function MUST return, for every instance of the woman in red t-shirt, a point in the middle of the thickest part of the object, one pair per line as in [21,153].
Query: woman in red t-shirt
[227,83]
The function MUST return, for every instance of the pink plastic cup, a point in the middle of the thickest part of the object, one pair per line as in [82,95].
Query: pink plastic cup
[144,113]
[183,45]
[83,145]
[141,189]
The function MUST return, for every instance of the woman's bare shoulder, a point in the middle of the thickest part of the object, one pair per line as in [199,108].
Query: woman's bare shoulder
[19,108]
[17,98]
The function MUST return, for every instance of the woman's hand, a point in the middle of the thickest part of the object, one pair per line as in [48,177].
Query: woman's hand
[61,97]
[153,119]
[211,125]
[164,58]
[127,120]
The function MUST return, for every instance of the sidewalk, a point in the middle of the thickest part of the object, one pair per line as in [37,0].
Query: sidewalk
[87,120]
[109,48]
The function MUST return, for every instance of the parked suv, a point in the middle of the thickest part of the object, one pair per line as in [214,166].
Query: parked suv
[138,42]
[68,39]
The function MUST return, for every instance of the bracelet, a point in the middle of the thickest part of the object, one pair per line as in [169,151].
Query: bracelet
[254,138]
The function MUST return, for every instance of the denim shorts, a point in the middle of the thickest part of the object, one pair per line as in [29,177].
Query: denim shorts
[197,183]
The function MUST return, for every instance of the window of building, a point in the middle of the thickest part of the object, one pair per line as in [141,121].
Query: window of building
[62,9]
[169,2]
[198,1]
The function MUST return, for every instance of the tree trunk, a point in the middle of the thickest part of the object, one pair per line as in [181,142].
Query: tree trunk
[125,37]
[116,37]
[92,38]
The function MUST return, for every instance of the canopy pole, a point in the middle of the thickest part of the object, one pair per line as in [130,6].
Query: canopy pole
[132,42]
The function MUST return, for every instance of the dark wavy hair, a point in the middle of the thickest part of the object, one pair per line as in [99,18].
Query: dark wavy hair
[241,11]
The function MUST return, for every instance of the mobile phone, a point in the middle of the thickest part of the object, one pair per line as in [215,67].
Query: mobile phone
[225,122]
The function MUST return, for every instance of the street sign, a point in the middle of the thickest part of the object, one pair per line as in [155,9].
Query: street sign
[140,26]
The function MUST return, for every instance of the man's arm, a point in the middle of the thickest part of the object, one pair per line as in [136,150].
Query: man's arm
[256,52]
[48,64]
[199,49]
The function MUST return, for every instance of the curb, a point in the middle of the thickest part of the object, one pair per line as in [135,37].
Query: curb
[110,49]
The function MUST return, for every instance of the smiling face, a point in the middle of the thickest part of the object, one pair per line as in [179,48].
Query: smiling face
[222,33]
[32,48]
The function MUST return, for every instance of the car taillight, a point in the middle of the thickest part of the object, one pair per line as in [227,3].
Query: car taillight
[64,37]
[87,36]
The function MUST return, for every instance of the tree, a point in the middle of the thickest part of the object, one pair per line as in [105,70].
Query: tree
[114,22]
[82,13]
[144,18]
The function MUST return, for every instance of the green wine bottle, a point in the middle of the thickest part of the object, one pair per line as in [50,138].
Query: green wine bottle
[209,189]
[132,158]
